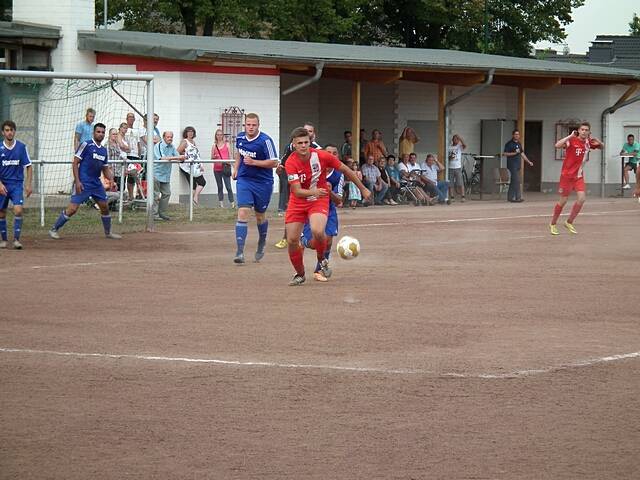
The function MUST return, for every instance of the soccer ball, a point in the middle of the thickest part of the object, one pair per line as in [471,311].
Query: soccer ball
[348,247]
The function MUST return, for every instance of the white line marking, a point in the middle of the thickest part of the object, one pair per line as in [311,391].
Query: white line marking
[425,222]
[345,368]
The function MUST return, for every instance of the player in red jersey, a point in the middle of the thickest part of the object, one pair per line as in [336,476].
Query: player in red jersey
[577,147]
[309,200]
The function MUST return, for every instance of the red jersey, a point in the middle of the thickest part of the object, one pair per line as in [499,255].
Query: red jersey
[576,156]
[311,174]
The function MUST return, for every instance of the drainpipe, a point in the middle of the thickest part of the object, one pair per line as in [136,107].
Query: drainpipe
[604,126]
[308,81]
[447,109]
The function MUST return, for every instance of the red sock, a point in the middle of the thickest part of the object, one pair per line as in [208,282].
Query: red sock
[575,210]
[312,244]
[320,249]
[557,210]
[297,259]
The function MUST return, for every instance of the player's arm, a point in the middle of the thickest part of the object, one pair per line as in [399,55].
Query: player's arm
[595,142]
[271,163]
[76,174]
[564,142]
[3,189]
[236,165]
[300,192]
[28,188]
[351,176]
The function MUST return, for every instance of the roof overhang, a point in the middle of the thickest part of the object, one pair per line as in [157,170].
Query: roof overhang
[29,34]
[355,62]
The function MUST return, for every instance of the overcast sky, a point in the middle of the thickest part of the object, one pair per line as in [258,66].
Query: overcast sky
[597,17]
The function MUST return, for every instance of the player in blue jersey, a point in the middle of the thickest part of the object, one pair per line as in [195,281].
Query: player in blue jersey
[336,180]
[89,162]
[256,157]
[14,158]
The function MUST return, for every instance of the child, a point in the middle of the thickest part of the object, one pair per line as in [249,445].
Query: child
[354,194]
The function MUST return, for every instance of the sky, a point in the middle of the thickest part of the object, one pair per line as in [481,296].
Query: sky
[596,17]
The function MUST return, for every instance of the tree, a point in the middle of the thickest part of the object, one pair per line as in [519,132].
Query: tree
[5,9]
[634,26]
[513,26]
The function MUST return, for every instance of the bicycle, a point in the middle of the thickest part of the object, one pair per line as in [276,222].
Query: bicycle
[471,182]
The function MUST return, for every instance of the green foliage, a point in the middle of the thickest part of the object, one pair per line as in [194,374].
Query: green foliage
[634,26]
[512,26]
[5,8]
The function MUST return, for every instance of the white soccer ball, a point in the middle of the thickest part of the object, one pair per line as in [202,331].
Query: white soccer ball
[348,247]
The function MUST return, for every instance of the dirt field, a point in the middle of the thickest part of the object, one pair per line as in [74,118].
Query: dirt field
[465,342]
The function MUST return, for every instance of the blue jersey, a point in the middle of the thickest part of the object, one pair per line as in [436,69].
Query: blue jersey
[260,148]
[13,162]
[93,158]
[336,180]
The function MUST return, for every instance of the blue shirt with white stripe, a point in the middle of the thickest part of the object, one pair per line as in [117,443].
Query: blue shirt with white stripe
[258,148]
[13,162]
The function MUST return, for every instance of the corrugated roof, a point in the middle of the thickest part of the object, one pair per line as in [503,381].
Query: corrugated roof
[191,48]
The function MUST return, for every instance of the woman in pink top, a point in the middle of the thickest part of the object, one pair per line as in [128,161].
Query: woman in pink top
[222,171]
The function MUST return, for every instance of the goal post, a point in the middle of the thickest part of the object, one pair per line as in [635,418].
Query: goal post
[47,106]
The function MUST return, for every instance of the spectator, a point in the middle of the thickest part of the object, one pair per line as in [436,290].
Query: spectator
[363,144]
[630,148]
[345,151]
[382,164]
[354,192]
[84,129]
[414,174]
[165,151]
[115,155]
[222,171]
[110,188]
[408,139]
[373,180]
[515,154]
[132,137]
[435,187]
[375,147]
[455,166]
[394,178]
[191,163]
[133,170]
[143,136]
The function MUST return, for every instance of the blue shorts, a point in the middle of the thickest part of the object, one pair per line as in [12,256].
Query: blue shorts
[331,230]
[14,193]
[98,193]
[254,194]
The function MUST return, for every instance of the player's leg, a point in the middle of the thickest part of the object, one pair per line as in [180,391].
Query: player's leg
[564,190]
[67,213]
[296,250]
[318,223]
[105,216]
[17,225]
[627,169]
[262,197]
[245,204]
[330,230]
[4,201]
[575,210]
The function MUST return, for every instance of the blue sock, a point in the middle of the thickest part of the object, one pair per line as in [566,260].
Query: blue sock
[327,253]
[3,228]
[106,223]
[62,219]
[17,228]
[262,232]
[317,267]
[241,236]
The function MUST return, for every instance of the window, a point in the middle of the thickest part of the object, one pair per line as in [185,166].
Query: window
[231,123]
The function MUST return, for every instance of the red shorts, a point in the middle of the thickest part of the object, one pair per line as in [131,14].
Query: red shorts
[568,185]
[300,212]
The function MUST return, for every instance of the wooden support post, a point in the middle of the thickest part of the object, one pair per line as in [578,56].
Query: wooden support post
[442,140]
[522,99]
[355,121]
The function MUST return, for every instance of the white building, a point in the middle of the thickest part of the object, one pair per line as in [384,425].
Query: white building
[352,87]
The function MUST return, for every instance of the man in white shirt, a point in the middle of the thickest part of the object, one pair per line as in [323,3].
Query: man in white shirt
[435,187]
[411,171]
[455,165]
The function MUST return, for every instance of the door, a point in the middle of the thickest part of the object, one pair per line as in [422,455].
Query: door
[533,149]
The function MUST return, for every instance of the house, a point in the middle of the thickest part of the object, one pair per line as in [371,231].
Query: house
[348,87]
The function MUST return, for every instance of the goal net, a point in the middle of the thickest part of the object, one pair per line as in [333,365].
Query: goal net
[51,119]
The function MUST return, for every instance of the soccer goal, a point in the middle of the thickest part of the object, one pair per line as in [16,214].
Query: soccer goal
[54,112]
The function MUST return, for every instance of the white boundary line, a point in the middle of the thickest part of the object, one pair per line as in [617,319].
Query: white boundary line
[347,368]
[424,222]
